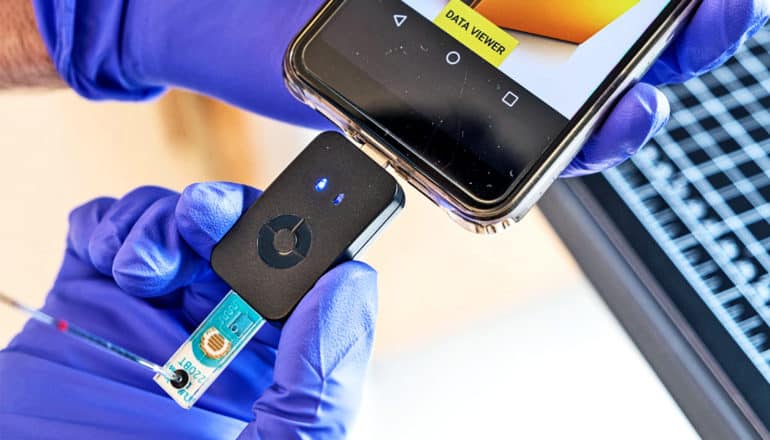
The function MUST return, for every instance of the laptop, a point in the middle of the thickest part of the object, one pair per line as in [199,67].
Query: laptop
[677,243]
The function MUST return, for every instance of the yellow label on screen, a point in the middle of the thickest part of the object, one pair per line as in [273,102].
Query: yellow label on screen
[476,32]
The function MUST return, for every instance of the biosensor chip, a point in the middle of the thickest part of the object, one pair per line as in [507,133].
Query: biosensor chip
[211,347]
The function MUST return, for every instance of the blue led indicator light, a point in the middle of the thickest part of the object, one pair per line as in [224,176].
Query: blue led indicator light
[321,184]
[338,200]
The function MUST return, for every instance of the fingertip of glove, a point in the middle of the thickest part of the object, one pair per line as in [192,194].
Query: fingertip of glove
[351,277]
[82,221]
[655,104]
[206,212]
[108,235]
[647,113]
[138,271]
[154,260]
[146,269]
[103,247]
[663,111]
[641,113]
[347,293]
[329,337]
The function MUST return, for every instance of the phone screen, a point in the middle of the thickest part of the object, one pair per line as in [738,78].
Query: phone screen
[475,91]
[559,50]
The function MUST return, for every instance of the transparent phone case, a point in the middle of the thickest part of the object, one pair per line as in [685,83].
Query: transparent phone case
[537,180]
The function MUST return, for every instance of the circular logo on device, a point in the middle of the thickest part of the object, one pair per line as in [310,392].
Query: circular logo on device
[284,241]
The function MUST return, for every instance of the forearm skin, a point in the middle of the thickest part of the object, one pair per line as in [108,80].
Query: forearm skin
[24,60]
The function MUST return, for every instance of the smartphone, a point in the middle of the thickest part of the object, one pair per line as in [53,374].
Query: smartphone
[479,104]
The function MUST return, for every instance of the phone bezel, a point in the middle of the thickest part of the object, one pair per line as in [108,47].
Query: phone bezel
[529,186]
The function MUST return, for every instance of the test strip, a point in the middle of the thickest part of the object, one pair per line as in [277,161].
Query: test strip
[210,349]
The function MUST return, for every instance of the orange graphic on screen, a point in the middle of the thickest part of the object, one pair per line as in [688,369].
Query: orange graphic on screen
[574,21]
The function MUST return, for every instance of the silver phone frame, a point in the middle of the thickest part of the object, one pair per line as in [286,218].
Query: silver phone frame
[536,182]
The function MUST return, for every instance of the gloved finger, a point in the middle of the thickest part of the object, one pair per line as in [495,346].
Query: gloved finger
[715,32]
[154,259]
[168,247]
[207,211]
[107,237]
[82,222]
[323,355]
[641,113]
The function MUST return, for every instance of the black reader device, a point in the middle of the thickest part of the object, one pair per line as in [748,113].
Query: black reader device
[322,210]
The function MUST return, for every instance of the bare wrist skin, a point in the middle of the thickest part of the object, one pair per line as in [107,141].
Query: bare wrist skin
[24,59]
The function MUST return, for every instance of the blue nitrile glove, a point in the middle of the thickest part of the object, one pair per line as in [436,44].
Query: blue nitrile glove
[136,272]
[233,50]
[714,34]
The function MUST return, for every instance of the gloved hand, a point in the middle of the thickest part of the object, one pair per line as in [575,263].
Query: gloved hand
[714,34]
[233,50]
[136,272]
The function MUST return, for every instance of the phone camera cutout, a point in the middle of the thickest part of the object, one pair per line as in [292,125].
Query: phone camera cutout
[321,184]
[338,200]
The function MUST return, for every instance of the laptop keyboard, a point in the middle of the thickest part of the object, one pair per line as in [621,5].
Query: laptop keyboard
[702,190]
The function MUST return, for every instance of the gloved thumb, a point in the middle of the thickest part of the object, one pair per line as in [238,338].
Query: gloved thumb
[323,355]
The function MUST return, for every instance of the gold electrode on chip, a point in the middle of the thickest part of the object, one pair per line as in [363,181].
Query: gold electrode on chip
[214,345]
